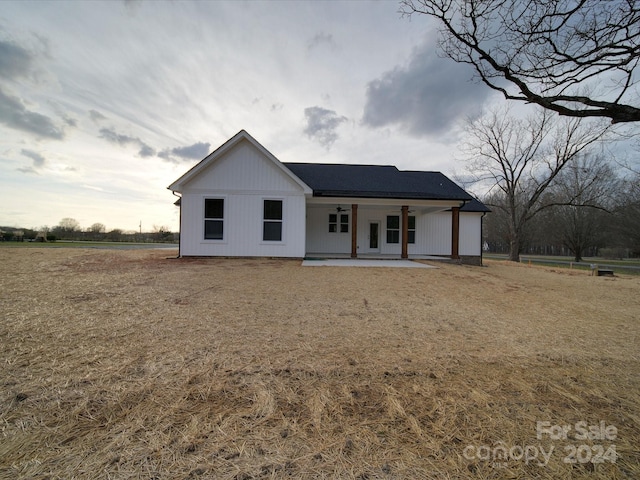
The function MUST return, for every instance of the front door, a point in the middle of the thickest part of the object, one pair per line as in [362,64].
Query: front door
[374,228]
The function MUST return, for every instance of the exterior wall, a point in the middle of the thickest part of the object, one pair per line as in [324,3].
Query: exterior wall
[436,230]
[244,178]
[319,239]
[368,215]
[470,234]
[438,234]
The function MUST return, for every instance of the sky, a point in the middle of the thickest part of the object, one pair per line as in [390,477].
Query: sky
[105,104]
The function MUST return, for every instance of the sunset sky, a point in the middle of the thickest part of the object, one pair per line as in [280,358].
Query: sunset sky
[104,104]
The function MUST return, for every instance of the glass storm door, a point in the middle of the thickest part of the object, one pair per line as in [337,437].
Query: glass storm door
[373,235]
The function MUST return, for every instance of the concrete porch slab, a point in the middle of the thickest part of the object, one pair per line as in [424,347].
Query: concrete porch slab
[360,262]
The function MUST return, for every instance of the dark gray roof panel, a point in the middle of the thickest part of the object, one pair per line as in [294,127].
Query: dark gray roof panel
[475,206]
[375,181]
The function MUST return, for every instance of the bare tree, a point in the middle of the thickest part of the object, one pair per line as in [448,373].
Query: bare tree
[97,228]
[584,194]
[161,232]
[627,214]
[520,158]
[574,57]
[69,224]
[67,228]
[497,226]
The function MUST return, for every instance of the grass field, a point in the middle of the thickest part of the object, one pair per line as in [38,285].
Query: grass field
[130,364]
[88,244]
[629,266]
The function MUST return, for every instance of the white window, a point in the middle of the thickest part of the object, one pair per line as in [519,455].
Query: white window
[342,226]
[272,221]
[214,218]
[393,229]
[412,229]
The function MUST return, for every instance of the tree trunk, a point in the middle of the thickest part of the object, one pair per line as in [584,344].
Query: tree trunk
[577,255]
[514,248]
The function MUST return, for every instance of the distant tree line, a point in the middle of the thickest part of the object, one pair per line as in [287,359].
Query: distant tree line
[69,229]
[603,220]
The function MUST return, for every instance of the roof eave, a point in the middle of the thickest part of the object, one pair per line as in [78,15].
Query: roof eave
[390,196]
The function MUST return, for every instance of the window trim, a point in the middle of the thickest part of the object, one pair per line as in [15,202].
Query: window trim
[344,224]
[223,219]
[411,230]
[281,221]
[333,223]
[340,223]
[390,230]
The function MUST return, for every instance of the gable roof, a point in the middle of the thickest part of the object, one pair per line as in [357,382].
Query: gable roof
[349,180]
[242,135]
[376,181]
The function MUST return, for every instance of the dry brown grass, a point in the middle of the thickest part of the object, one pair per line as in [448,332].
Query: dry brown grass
[127,364]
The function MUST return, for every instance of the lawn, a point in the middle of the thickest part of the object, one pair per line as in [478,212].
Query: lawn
[134,364]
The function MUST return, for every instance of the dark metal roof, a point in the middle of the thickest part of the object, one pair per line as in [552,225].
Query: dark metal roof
[376,181]
[475,206]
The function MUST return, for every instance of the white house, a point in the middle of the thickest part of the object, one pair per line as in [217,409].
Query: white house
[241,200]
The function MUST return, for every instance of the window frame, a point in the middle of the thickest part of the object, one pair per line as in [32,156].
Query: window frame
[221,220]
[344,223]
[392,231]
[411,232]
[272,221]
[338,223]
[333,223]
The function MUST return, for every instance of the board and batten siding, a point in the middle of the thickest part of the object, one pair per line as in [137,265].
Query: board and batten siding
[470,234]
[319,239]
[244,178]
[436,230]
[438,233]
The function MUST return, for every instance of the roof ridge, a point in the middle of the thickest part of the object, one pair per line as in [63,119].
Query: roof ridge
[342,164]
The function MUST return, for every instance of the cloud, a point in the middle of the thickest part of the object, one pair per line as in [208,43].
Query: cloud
[146,151]
[72,122]
[112,136]
[427,96]
[322,125]
[15,61]
[197,151]
[28,170]
[15,115]
[38,160]
[320,39]
[96,116]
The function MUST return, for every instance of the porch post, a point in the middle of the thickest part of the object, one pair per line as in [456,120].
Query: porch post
[455,232]
[354,230]
[405,231]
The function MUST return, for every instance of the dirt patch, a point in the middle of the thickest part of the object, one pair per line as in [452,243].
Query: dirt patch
[130,364]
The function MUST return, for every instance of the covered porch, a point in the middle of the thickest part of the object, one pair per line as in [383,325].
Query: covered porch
[367,228]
